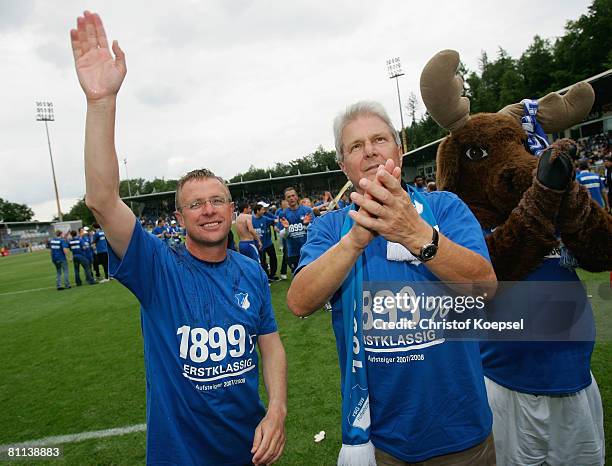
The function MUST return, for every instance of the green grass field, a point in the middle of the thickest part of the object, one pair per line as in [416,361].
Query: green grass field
[72,361]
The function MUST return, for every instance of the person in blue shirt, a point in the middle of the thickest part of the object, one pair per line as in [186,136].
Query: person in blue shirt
[101,253]
[161,231]
[283,269]
[435,408]
[59,250]
[592,182]
[78,247]
[295,220]
[419,184]
[175,233]
[262,222]
[88,247]
[204,308]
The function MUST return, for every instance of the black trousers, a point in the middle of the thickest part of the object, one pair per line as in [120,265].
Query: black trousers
[101,259]
[271,253]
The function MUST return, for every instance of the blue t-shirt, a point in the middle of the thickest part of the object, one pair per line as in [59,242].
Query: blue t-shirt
[175,234]
[262,227]
[541,367]
[99,240]
[57,246]
[77,246]
[296,232]
[437,403]
[163,232]
[86,245]
[593,183]
[200,322]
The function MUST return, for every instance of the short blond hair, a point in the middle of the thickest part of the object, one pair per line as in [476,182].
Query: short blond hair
[199,174]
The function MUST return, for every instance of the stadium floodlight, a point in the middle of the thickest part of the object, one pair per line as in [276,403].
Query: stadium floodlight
[44,112]
[394,68]
[127,177]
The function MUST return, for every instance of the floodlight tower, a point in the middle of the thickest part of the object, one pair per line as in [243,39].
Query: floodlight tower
[127,177]
[128,183]
[394,68]
[44,112]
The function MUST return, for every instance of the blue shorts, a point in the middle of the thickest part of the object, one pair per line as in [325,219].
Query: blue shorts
[249,249]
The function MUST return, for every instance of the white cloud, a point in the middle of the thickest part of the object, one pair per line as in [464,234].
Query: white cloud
[228,84]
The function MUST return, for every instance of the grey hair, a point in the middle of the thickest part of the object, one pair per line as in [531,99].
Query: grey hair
[354,111]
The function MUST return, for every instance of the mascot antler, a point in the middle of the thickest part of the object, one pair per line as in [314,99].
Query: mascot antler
[441,91]
[558,112]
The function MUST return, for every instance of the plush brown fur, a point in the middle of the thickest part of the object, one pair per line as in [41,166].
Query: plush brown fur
[503,193]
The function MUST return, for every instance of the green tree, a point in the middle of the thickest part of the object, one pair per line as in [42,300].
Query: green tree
[586,47]
[13,212]
[158,185]
[80,211]
[136,186]
[535,66]
[498,85]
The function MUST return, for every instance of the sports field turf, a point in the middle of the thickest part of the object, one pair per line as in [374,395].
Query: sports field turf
[72,361]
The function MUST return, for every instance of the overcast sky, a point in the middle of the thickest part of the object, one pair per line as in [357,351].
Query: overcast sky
[229,83]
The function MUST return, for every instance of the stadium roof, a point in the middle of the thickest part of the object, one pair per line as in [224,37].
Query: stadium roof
[237,184]
[602,85]
[17,224]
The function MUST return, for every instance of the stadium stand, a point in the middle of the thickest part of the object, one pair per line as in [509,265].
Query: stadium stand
[593,135]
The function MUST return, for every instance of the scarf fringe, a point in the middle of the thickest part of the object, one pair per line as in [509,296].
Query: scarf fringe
[357,455]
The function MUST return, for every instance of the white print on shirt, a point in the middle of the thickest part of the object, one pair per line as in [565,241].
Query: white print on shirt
[297,230]
[377,340]
[243,300]
[199,345]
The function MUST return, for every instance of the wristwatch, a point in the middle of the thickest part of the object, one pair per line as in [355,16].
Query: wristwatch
[428,251]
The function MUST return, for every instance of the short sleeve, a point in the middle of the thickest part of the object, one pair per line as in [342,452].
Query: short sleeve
[137,271]
[267,322]
[323,233]
[457,222]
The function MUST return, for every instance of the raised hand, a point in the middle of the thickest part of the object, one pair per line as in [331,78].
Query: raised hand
[100,75]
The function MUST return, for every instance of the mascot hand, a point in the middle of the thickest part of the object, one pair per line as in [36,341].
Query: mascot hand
[555,168]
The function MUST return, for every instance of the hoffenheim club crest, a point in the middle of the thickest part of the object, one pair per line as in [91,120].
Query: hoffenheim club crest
[243,300]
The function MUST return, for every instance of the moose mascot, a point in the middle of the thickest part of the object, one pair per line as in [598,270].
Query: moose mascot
[539,225]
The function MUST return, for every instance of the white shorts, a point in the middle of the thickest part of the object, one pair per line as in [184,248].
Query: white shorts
[531,430]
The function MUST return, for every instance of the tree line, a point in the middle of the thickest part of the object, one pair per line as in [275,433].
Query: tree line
[584,50]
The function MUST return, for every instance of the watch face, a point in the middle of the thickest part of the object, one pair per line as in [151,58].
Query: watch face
[429,252]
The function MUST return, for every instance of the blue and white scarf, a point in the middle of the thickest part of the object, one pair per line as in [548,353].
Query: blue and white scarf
[538,142]
[536,137]
[357,449]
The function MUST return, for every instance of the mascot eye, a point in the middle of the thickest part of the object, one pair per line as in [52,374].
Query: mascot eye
[476,153]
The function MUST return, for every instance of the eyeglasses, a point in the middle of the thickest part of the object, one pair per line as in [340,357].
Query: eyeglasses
[215,202]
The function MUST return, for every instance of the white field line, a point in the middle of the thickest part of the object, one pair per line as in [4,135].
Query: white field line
[26,291]
[60,439]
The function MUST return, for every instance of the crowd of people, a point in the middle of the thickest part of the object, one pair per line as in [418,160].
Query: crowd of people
[595,148]
[87,249]
[407,398]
